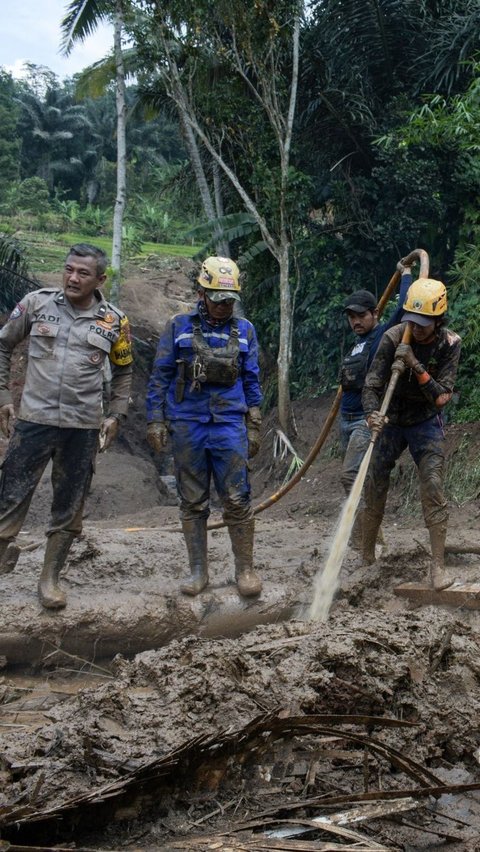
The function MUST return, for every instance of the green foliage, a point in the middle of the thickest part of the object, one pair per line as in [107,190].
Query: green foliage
[95,221]
[15,277]
[9,140]
[131,240]
[32,195]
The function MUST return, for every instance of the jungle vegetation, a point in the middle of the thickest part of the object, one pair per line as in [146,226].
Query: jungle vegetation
[319,140]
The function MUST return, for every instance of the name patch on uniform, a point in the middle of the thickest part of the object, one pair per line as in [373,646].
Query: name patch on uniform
[108,335]
[47,318]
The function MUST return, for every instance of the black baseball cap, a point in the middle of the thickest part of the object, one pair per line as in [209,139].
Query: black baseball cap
[418,319]
[360,301]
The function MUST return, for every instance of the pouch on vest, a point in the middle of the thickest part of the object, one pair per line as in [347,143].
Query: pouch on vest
[217,365]
[355,366]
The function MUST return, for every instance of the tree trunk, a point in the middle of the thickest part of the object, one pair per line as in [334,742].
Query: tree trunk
[285,343]
[121,199]
[196,162]
[222,245]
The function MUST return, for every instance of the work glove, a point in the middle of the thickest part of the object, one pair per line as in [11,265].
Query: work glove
[108,432]
[405,353]
[7,419]
[253,421]
[157,435]
[376,421]
[402,267]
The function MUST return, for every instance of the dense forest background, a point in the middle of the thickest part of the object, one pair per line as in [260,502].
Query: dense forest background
[383,156]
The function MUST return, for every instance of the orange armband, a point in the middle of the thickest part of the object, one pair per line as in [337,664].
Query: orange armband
[423,378]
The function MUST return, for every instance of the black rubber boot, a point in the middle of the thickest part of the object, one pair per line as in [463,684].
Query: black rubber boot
[9,554]
[241,536]
[49,592]
[195,533]
[438,577]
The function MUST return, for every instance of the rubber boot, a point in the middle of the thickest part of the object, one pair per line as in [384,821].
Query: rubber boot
[195,533]
[9,554]
[241,536]
[371,526]
[356,536]
[438,577]
[49,592]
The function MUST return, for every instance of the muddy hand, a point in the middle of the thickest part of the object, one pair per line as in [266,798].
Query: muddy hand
[403,267]
[7,419]
[253,421]
[157,435]
[108,432]
[406,354]
[376,421]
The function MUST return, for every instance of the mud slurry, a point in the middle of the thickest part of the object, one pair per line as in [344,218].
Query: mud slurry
[366,663]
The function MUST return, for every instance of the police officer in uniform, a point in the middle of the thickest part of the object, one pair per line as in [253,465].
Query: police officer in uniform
[361,311]
[72,332]
[204,391]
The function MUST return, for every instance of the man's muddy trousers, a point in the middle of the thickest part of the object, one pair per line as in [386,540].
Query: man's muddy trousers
[425,442]
[202,451]
[32,446]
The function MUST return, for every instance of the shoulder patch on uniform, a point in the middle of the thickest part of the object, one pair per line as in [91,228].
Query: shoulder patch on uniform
[17,312]
[115,310]
[121,351]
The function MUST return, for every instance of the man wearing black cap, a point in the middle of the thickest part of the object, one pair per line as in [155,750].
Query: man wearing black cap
[361,310]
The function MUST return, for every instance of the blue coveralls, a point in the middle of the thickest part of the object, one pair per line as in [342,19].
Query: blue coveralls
[354,433]
[207,428]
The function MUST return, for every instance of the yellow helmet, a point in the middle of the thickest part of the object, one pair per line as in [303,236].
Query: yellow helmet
[425,297]
[220,273]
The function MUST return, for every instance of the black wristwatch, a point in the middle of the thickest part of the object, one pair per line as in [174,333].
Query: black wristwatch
[120,417]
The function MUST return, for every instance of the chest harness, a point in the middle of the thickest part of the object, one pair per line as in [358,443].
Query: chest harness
[216,365]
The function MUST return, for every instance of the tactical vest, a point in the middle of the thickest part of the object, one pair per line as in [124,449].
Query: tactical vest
[218,365]
[355,366]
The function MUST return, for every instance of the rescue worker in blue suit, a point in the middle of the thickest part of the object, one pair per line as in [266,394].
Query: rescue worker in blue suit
[361,311]
[204,392]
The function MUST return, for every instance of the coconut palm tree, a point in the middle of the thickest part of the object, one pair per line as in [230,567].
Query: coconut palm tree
[51,122]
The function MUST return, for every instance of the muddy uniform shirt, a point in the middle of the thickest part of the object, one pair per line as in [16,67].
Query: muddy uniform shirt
[66,356]
[211,401]
[412,402]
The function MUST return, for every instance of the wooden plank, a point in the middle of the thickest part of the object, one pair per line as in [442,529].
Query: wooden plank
[459,594]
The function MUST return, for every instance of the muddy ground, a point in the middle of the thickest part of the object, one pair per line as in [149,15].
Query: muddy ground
[138,719]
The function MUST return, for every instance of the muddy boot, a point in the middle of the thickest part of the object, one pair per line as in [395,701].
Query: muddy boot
[49,592]
[356,536]
[195,533]
[241,536]
[371,526]
[438,577]
[9,554]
